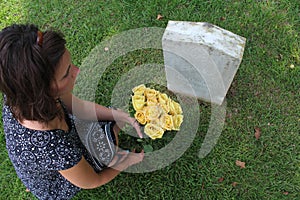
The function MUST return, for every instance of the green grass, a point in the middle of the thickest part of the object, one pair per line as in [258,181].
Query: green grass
[265,93]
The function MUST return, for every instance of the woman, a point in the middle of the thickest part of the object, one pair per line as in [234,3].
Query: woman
[37,77]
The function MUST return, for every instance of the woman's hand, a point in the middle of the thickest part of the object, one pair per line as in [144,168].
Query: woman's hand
[130,159]
[135,158]
[122,117]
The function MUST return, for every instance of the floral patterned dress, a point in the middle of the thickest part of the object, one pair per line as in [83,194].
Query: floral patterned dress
[37,156]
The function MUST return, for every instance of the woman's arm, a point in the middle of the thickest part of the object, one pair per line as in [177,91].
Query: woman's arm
[83,175]
[87,110]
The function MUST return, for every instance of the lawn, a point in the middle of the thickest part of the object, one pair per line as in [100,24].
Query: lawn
[264,95]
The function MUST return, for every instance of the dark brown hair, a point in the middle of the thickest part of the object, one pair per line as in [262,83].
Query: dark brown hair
[27,69]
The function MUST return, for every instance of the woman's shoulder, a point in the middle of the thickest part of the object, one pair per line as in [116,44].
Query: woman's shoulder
[33,134]
[57,123]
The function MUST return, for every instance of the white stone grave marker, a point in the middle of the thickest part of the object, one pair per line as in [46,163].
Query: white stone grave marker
[201,59]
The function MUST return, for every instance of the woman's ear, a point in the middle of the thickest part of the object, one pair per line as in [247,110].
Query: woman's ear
[54,88]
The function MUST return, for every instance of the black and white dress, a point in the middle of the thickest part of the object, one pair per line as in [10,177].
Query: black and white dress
[37,156]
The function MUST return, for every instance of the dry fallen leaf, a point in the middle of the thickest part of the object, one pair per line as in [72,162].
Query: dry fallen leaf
[234,184]
[257,133]
[240,164]
[229,115]
[220,180]
[159,17]
[285,193]
[222,18]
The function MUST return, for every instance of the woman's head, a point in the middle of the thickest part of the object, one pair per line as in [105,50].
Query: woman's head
[28,63]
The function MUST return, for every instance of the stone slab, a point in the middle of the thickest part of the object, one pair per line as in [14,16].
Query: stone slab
[201,59]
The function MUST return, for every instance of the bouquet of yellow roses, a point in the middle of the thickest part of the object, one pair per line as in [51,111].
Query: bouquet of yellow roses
[156,111]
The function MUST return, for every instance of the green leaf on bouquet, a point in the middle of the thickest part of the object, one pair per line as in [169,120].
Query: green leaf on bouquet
[139,140]
[148,148]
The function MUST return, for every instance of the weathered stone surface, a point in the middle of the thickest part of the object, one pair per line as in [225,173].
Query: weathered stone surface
[201,59]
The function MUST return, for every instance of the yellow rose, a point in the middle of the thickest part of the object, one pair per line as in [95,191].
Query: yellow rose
[175,108]
[139,90]
[156,122]
[152,112]
[140,117]
[153,131]
[152,101]
[162,98]
[166,122]
[177,120]
[138,102]
[150,93]
[164,102]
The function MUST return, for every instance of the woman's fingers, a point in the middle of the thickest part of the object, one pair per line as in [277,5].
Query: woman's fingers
[125,117]
[137,127]
[136,157]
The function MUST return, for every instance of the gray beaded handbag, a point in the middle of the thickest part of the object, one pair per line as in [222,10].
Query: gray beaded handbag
[99,139]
